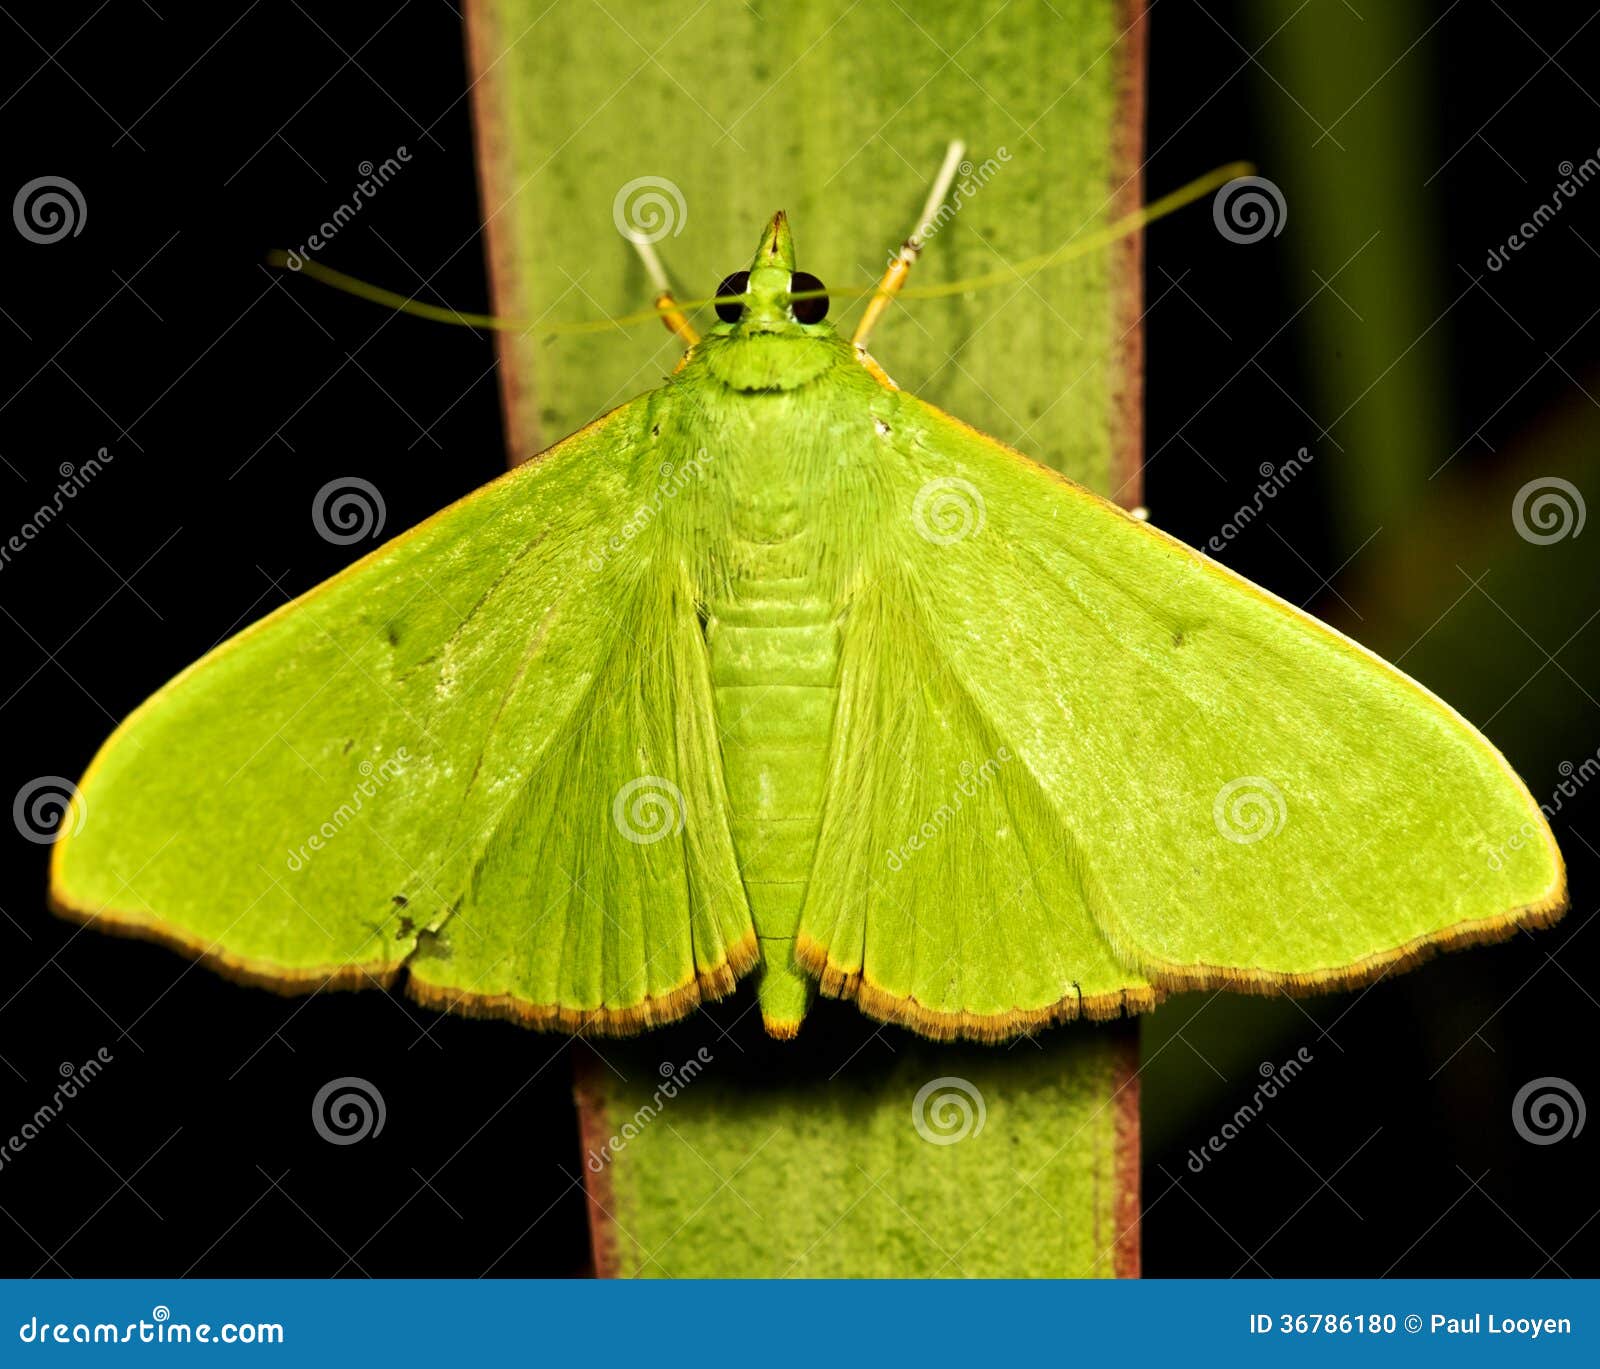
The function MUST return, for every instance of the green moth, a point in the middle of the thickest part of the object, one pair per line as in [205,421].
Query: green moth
[777,669]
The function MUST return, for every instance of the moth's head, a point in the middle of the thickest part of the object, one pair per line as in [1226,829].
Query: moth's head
[764,337]
[766,293]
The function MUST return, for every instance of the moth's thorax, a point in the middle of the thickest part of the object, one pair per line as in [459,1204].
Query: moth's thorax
[785,478]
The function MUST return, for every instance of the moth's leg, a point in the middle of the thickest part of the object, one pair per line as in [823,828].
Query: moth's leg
[676,321]
[900,267]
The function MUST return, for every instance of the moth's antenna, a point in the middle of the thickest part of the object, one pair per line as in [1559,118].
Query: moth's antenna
[351,285]
[674,313]
[404,304]
[1089,242]
[677,322]
[894,278]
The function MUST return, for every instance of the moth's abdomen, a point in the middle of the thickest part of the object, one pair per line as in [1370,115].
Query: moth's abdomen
[775,671]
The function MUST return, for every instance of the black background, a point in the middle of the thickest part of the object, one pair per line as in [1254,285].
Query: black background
[227,398]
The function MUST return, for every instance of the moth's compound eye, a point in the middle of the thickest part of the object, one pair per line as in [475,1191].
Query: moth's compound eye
[812,310]
[736,284]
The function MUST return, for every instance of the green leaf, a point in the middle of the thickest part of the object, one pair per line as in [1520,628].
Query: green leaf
[828,110]
[699,126]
